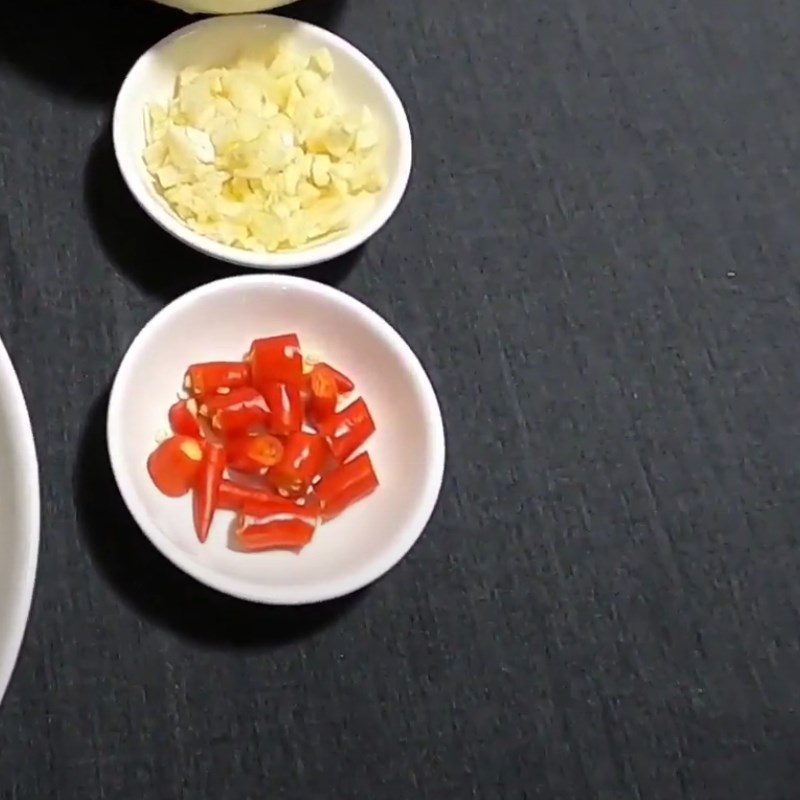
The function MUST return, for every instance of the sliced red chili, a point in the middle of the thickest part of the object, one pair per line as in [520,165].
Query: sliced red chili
[183,418]
[236,413]
[236,397]
[174,465]
[260,503]
[304,456]
[285,408]
[324,394]
[206,492]
[348,429]
[343,383]
[276,359]
[278,533]
[346,485]
[253,454]
[209,378]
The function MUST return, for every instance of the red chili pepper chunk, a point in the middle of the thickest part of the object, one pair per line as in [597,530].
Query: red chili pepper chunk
[206,491]
[183,418]
[348,429]
[285,407]
[207,379]
[276,359]
[324,394]
[304,456]
[345,486]
[253,454]
[174,465]
[261,503]
[343,383]
[237,413]
[290,534]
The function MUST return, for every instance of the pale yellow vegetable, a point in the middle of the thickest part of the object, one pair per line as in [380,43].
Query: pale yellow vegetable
[261,154]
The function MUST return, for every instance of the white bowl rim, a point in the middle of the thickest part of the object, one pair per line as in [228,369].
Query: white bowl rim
[270,261]
[247,589]
[30,508]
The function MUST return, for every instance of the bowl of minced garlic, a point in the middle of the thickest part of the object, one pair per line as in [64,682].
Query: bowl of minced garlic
[262,141]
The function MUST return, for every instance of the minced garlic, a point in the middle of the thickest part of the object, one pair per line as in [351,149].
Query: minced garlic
[261,155]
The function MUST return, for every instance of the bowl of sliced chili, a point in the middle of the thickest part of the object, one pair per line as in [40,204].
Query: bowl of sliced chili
[276,439]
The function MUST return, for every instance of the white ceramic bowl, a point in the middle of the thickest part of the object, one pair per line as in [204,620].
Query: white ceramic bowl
[19,523]
[218,321]
[216,42]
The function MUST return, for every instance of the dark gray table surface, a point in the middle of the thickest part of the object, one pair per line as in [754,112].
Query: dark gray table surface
[597,262]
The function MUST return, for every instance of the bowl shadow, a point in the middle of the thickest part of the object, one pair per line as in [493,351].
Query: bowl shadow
[151,258]
[83,50]
[149,583]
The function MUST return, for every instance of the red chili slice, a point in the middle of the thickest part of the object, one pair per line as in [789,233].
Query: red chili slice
[324,394]
[253,454]
[207,379]
[183,418]
[285,408]
[348,429]
[261,503]
[276,359]
[304,456]
[343,383]
[174,465]
[206,492]
[237,413]
[279,533]
[345,486]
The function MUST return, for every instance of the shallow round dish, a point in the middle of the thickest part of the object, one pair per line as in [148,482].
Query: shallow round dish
[217,42]
[19,524]
[217,322]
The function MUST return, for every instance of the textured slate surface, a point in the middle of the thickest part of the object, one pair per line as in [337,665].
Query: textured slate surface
[597,263]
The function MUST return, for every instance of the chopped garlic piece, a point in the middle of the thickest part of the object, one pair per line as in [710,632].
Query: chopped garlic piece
[320,170]
[366,138]
[322,61]
[168,177]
